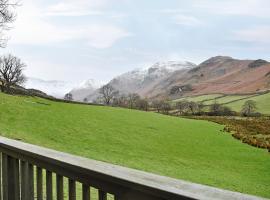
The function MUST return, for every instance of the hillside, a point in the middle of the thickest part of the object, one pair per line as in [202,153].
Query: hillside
[222,75]
[144,81]
[235,102]
[188,149]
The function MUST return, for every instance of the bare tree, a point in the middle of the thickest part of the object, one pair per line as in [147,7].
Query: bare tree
[157,104]
[165,107]
[132,98]
[193,107]
[11,72]
[215,108]
[143,104]
[7,16]
[248,108]
[182,106]
[108,93]
[68,97]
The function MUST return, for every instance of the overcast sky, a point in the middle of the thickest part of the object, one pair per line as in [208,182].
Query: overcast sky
[83,39]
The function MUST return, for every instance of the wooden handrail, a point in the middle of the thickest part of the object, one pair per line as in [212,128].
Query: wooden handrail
[124,183]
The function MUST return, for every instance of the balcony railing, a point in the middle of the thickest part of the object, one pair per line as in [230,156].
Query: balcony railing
[28,173]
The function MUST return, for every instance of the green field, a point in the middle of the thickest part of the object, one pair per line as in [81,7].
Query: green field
[263,103]
[187,149]
[228,98]
[235,102]
[199,98]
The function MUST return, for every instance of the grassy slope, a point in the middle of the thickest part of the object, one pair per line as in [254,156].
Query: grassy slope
[227,99]
[182,148]
[199,98]
[263,103]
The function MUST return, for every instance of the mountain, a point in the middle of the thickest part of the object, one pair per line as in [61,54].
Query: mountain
[220,74]
[54,88]
[85,89]
[142,81]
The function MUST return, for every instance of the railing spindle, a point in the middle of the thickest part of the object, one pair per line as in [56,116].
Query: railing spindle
[24,181]
[71,189]
[39,184]
[85,192]
[5,176]
[49,188]
[31,181]
[102,195]
[59,187]
[13,178]
[0,175]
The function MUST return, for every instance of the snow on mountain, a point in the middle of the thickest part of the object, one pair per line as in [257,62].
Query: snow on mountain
[58,89]
[143,79]
[54,88]
[85,89]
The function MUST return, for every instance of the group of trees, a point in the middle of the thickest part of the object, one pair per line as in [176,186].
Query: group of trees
[110,96]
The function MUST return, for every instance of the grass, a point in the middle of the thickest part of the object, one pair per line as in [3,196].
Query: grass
[263,103]
[235,102]
[227,99]
[199,98]
[192,150]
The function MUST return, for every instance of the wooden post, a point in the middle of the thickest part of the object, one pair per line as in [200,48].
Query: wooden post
[49,191]
[4,176]
[0,175]
[13,179]
[31,181]
[39,184]
[24,180]
[59,187]
[86,192]
[102,195]
[71,189]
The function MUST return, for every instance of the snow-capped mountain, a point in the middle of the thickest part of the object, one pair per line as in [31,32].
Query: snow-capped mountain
[58,89]
[86,88]
[54,88]
[140,80]
[143,81]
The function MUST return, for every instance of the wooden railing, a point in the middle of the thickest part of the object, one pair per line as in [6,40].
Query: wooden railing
[30,172]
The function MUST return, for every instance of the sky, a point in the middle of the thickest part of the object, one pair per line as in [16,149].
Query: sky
[99,39]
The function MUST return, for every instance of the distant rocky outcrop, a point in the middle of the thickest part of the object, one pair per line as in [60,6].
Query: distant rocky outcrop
[257,63]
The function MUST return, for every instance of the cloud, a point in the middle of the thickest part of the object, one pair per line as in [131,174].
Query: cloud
[32,27]
[186,20]
[255,8]
[259,34]
[76,8]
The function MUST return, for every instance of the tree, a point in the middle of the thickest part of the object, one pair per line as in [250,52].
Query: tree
[182,106]
[11,72]
[200,107]
[7,16]
[248,108]
[157,104]
[68,97]
[192,107]
[85,100]
[165,107]
[143,104]
[108,93]
[215,108]
[132,98]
